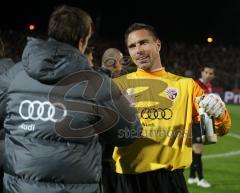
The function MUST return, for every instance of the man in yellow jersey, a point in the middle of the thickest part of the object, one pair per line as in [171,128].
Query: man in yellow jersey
[167,106]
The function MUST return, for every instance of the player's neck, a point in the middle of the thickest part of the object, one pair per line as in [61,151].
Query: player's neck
[204,82]
[157,67]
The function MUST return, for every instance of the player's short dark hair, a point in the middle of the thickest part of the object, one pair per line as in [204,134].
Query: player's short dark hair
[69,24]
[207,66]
[140,26]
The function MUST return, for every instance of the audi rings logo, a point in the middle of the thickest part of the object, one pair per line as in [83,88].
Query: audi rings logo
[153,113]
[45,111]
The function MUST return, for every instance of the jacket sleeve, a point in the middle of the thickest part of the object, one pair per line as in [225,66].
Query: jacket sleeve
[5,81]
[127,127]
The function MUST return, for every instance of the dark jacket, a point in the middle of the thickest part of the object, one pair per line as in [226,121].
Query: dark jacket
[5,64]
[56,107]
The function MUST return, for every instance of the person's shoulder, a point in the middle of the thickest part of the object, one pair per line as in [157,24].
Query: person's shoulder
[6,64]
[127,76]
[8,61]
[179,78]
[200,83]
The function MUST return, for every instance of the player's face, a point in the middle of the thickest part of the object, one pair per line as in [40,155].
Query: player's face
[208,75]
[144,49]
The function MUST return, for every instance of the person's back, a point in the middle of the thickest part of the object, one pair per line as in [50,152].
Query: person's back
[57,106]
[5,64]
[31,120]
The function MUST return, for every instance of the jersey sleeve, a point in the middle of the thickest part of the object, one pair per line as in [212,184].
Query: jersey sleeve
[197,92]
[222,125]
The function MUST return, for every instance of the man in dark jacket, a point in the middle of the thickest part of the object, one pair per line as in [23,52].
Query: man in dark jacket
[56,107]
[5,64]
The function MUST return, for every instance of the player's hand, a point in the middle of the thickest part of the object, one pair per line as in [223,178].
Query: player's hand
[212,104]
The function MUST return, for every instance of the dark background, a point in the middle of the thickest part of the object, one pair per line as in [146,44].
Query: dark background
[181,21]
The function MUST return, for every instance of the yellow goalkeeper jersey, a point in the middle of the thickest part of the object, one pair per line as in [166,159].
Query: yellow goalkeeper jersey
[166,106]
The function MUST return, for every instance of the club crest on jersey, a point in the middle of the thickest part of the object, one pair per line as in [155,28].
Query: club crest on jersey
[172,93]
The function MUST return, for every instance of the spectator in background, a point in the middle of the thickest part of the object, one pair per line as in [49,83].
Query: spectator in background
[111,65]
[89,55]
[111,61]
[207,75]
[52,142]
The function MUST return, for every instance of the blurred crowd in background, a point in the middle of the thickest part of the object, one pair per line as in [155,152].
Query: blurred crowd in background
[179,58]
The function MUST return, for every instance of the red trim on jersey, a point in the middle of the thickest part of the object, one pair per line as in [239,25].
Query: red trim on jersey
[207,88]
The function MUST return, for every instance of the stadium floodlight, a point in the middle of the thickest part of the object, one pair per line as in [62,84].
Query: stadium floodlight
[210,40]
[31,27]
